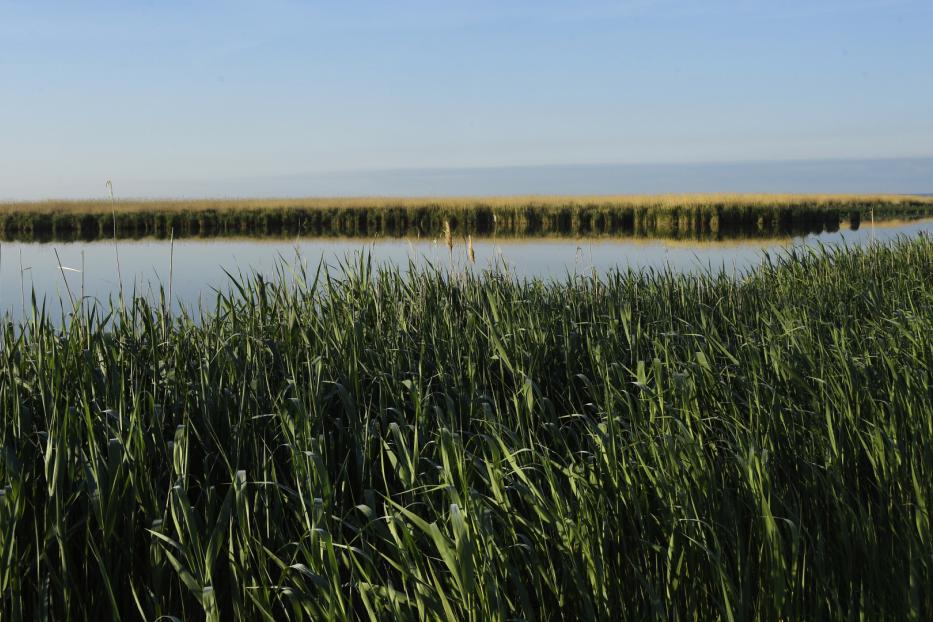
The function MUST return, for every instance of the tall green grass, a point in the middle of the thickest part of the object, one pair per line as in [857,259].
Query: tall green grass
[367,443]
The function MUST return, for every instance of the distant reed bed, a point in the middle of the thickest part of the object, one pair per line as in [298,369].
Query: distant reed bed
[682,216]
[369,443]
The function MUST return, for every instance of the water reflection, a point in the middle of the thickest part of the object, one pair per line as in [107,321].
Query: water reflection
[198,265]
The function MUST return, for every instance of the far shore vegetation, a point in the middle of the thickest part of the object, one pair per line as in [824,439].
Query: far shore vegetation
[676,216]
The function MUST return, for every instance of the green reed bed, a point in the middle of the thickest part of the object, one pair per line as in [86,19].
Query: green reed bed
[363,443]
[685,218]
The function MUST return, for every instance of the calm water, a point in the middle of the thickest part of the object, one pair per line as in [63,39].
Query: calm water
[199,265]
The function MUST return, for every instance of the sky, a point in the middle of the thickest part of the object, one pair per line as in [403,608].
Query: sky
[175,98]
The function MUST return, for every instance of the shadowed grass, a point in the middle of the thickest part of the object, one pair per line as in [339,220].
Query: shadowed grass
[359,443]
[678,216]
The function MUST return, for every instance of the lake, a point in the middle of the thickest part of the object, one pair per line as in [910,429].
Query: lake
[198,266]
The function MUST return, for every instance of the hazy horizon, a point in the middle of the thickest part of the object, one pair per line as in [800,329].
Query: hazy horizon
[836,176]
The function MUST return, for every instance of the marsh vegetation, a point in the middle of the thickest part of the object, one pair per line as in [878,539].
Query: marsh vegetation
[356,442]
[676,216]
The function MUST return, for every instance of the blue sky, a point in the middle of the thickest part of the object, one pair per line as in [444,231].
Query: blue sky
[157,95]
